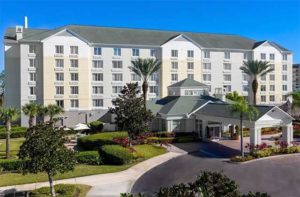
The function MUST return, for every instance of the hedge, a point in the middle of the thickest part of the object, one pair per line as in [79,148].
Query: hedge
[88,157]
[11,165]
[63,190]
[115,155]
[96,126]
[95,141]
[16,132]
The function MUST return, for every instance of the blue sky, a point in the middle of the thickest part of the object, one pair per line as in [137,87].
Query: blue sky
[276,20]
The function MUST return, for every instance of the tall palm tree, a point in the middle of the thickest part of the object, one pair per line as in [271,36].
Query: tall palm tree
[234,96]
[145,68]
[255,69]
[31,110]
[7,115]
[244,109]
[52,110]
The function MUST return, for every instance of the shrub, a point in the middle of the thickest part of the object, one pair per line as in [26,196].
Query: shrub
[160,140]
[11,165]
[14,134]
[185,139]
[88,157]
[263,153]
[115,155]
[62,190]
[96,126]
[241,159]
[95,141]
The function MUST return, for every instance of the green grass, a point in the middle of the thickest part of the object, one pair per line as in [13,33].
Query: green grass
[149,151]
[14,146]
[63,190]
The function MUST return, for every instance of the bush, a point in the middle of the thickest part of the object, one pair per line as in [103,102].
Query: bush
[11,165]
[95,141]
[185,139]
[160,140]
[115,155]
[241,159]
[88,157]
[96,126]
[14,134]
[62,190]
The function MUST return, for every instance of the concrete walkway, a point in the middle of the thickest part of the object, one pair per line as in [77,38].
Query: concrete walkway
[111,184]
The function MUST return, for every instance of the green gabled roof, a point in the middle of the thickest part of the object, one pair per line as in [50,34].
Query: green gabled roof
[188,83]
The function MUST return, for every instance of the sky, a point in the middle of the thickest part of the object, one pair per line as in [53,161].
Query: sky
[275,20]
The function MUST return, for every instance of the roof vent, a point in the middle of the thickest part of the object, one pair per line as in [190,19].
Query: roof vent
[19,32]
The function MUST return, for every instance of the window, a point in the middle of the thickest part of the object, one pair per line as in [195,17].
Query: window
[227,88]
[284,97]
[245,77]
[97,102]
[59,89]
[74,103]
[262,88]
[227,77]
[117,77]
[97,76]
[272,56]
[227,66]
[135,77]
[272,88]
[284,87]
[227,55]
[174,53]
[263,78]
[152,52]
[174,77]
[263,56]
[284,67]
[32,49]
[272,66]
[272,98]
[32,76]
[74,63]
[153,89]
[74,76]
[97,64]
[32,91]
[117,51]
[245,56]
[272,77]
[59,76]
[32,63]
[116,89]
[174,65]
[135,52]
[190,65]
[97,89]
[207,66]
[59,49]
[59,63]
[60,103]
[263,98]
[97,51]
[154,77]
[245,88]
[284,77]
[190,76]
[74,90]
[206,77]
[117,64]
[74,49]
[284,56]
[206,54]
[190,53]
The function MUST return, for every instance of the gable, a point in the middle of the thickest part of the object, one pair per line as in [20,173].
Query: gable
[65,35]
[275,114]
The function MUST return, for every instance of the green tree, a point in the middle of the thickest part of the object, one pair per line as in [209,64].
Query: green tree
[44,151]
[8,115]
[234,96]
[145,68]
[295,99]
[129,111]
[2,87]
[243,109]
[255,69]
[52,110]
[31,110]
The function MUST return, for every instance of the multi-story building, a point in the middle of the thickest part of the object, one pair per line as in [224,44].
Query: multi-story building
[82,68]
[296,77]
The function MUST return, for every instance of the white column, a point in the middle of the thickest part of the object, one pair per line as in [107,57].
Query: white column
[287,133]
[255,135]
[169,125]
[204,125]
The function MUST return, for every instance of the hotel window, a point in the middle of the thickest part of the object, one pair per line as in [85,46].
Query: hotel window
[174,65]
[32,76]
[74,76]
[174,77]
[97,102]
[59,49]
[227,88]
[74,50]
[59,76]
[135,77]
[263,98]
[206,77]
[59,63]
[263,56]
[74,90]
[174,53]
[60,103]
[74,63]
[74,103]
[206,66]
[154,89]
[117,64]
[272,98]
[116,89]
[32,91]
[227,66]
[190,76]
[245,77]
[59,89]
[206,54]
[136,52]
[97,51]
[154,77]
[284,67]
[284,87]
[272,56]
[190,53]
[263,78]
[190,65]
[117,51]
[284,97]
[152,52]
[32,63]
[117,77]
[284,77]
[284,56]
[245,56]
[272,88]
[245,88]
[32,49]
[227,77]
[97,64]
[97,89]
[97,76]
[227,55]
[272,66]
[272,77]
[263,88]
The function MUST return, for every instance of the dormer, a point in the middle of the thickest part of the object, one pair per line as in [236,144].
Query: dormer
[188,87]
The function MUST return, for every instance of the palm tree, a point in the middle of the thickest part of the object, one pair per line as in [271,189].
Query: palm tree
[244,109]
[145,68]
[254,69]
[7,115]
[31,110]
[234,96]
[52,110]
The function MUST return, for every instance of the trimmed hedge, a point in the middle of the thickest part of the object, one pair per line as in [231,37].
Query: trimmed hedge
[88,157]
[16,132]
[95,141]
[11,165]
[115,155]
[96,126]
[62,190]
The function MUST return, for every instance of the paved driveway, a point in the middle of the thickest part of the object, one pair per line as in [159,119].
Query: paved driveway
[278,176]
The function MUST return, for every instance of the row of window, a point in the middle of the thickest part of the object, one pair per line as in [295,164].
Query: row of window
[174,76]
[263,98]
[263,88]
[74,103]
[272,77]
[263,56]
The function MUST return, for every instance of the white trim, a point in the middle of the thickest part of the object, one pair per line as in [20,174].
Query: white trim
[186,37]
[68,31]
[188,115]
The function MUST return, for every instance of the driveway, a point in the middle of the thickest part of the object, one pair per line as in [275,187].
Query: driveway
[277,176]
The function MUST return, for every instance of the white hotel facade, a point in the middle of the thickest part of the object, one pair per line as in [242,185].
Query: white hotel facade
[82,68]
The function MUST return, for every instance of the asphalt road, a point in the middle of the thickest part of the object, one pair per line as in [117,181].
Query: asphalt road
[280,177]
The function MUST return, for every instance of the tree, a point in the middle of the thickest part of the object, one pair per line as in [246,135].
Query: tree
[2,87]
[31,110]
[52,110]
[234,96]
[8,115]
[254,69]
[243,109]
[129,111]
[145,68]
[44,151]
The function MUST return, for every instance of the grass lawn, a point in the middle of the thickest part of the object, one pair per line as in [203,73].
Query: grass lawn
[147,151]
[15,144]
[77,190]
